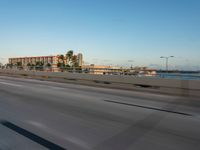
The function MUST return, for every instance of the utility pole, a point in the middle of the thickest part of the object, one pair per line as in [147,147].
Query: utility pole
[167,61]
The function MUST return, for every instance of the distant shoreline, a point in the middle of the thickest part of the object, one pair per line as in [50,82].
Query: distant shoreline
[179,75]
[177,71]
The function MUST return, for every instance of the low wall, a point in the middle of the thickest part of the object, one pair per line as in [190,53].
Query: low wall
[185,87]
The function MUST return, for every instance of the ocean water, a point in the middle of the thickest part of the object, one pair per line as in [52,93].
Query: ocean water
[181,76]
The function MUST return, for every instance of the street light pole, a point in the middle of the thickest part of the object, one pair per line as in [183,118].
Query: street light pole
[131,61]
[2,59]
[167,61]
[1,62]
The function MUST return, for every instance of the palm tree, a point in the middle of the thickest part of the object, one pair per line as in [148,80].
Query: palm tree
[28,65]
[39,65]
[59,65]
[62,57]
[19,64]
[48,65]
[69,56]
[74,60]
[9,66]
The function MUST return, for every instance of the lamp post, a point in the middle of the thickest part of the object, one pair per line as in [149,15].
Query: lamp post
[1,61]
[167,61]
[131,62]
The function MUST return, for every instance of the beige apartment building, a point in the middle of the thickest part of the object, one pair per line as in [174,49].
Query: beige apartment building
[46,60]
[32,60]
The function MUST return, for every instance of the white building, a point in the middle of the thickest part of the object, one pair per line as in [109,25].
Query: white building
[80,59]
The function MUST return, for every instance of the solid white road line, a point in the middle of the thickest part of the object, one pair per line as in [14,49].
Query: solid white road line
[11,84]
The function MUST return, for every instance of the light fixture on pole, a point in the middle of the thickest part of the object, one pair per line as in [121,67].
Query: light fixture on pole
[167,61]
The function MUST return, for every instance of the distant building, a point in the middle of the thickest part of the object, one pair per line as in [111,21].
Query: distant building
[114,70]
[26,61]
[52,61]
[96,69]
[80,59]
[32,60]
[142,71]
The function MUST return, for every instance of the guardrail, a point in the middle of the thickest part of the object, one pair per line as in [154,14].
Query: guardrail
[111,71]
[183,87]
[90,70]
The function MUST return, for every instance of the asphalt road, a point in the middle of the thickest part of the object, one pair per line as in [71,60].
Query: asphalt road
[47,115]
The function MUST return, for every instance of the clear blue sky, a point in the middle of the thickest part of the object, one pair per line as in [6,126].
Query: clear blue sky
[105,31]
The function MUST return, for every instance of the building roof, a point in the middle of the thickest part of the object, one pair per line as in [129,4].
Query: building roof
[32,57]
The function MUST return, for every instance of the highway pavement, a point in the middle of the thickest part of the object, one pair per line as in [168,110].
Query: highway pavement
[38,114]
